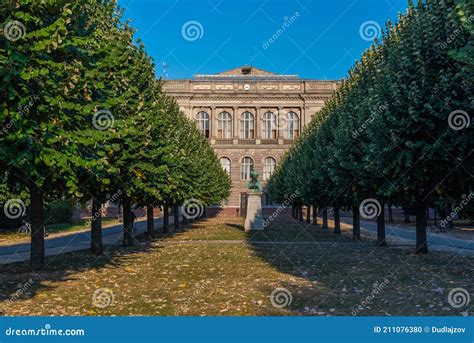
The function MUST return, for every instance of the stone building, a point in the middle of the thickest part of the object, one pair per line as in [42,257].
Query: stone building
[250,117]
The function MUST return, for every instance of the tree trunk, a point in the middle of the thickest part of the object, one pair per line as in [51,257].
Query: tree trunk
[381,239]
[390,214]
[406,216]
[127,223]
[293,212]
[37,228]
[96,228]
[337,221]
[308,214]
[185,219]
[176,216]
[150,223]
[449,217]
[325,219]
[166,218]
[421,238]
[355,223]
[119,213]
[300,214]
[315,215]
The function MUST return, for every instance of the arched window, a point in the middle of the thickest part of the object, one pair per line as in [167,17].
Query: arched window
[202,119]
[226,164]
[247,126]
[269,164]
[292,125]
[224,125]
[269,125]
[245,167]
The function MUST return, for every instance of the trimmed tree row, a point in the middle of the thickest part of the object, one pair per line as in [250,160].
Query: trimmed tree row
[97,125]
[397,130]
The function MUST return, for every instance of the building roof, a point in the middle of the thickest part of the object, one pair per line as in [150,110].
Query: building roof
[245,73]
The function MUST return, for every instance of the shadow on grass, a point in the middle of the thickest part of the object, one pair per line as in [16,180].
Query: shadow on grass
[329,274]
[19,282]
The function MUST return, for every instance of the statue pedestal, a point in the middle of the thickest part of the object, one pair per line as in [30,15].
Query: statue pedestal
[254,218]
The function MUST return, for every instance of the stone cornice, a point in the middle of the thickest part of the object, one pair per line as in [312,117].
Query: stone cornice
[236,97]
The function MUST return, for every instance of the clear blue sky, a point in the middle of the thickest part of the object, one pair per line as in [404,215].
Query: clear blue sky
[321,38]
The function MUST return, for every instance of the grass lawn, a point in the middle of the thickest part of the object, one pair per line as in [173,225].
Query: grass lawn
[214,268]
[10,237]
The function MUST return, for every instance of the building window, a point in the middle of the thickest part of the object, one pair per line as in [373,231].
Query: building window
[268,200]
[269,125]
[224,125]
[245,168]
[226,164]
[202,119]
[269,164]
[247,125]
[292,125]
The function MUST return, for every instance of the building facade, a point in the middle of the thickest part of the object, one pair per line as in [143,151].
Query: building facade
[250,117]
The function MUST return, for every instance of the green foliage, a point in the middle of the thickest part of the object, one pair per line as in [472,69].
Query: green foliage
[59,212]
[74,61]
[385,133]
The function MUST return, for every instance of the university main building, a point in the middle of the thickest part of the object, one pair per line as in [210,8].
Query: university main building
[250,117]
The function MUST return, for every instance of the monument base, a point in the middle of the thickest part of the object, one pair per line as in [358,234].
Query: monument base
[254,218]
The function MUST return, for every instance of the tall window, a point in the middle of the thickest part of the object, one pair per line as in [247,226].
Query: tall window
[292,125]
[224,125]
[269,164]
[268,200]
[203,123]
[226,164]
[247,126]
[245,168]
[269,125]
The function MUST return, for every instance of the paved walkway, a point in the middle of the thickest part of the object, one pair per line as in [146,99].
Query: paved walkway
[436,241]
[111,235]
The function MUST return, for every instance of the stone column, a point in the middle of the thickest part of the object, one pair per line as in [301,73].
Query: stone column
[303,115]
[258,117]
[280,132]
[235,122]
[212,124]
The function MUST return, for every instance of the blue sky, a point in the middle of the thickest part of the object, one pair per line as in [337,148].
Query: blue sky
[318,39]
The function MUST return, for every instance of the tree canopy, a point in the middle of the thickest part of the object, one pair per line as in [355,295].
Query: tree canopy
[397,130]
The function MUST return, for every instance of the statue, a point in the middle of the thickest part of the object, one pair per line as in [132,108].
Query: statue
[254,184]
[254,216]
